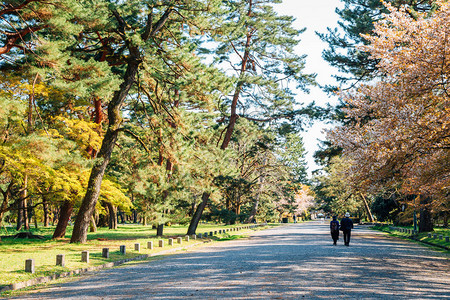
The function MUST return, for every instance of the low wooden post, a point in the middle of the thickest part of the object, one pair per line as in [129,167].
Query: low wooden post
[123,249]
[29,265]
[105,252]
[137,247]
[150,245]
[60,261]
[85,256]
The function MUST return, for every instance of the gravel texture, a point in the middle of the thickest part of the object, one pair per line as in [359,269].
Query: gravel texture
[289,262]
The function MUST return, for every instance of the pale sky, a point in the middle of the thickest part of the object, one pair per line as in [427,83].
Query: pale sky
[315,15]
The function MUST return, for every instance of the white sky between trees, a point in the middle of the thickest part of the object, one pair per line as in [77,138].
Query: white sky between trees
[315,15]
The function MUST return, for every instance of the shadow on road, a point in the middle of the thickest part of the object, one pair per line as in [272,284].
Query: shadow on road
[295,261]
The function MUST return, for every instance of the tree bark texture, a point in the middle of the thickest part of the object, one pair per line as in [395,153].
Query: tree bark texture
[198,214]
[366,206]
[112,215]
[160,230]
[64,216]
[237,91]
[252,216]
[45,210]
[104,155]
[93,225]
[19,222]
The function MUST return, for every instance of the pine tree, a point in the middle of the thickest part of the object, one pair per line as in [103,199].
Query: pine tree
[356,19]
[259,45]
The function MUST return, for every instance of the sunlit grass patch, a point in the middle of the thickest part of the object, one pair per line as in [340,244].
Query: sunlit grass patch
[14,252]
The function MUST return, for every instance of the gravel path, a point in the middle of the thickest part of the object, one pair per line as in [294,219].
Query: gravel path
[289,262]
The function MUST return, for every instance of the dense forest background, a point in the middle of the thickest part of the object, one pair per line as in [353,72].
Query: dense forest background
[172,111]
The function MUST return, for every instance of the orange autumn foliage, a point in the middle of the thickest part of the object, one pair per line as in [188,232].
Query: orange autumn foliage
[398,134]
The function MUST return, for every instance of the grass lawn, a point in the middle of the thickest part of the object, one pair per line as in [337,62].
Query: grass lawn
[14,252]
[423,236]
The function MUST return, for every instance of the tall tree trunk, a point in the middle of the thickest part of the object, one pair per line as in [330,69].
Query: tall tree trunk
[4,207]
[367,208]
[64,216]
[112,215]
[160,230]
[19,205]
[122,219]
[35,219]
[198,214]
[144,220]
[24,196]
[192,210]
[45,209]
[252,216]
[425,223]
[81,226]
[237,91]
[93,225]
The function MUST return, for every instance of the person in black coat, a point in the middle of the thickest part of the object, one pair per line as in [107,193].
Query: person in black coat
[334,229]
[346,227]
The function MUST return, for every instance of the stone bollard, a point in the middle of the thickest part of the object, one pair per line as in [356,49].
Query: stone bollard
[85,256]
[199,235]
[186,238]
[220,231]
[434,236]
[29,265]
[60,260]
[137,247]
[193,236]
[161,243]
[429,235]
[150,245]
[211,233]
[179,240]
[205,235]
[170,242]
[441,237]
[123,249]
[447,239]
[105,252]
[215,232]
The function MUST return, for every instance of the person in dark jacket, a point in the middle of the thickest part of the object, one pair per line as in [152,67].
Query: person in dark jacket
[346,227]
[334,229]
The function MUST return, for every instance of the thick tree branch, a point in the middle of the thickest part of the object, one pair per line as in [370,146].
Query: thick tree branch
[12,37]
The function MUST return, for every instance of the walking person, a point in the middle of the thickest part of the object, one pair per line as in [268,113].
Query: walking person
[346,227]
[334,230]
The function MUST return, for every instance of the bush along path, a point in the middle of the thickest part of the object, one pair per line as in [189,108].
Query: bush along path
[26,263]
[440,237]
